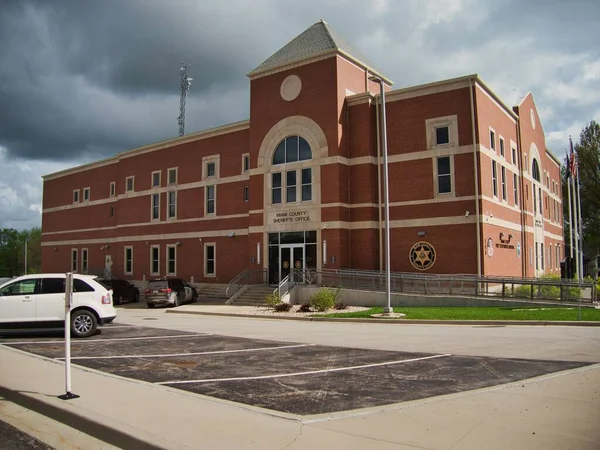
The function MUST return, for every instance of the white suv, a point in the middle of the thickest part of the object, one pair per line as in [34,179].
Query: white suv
[38,301]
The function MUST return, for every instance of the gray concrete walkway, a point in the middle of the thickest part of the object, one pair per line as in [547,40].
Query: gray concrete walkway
[557,411]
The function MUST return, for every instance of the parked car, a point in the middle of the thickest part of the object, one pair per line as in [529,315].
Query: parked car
[169,291]
[4,280]
[123,290]
[38,301]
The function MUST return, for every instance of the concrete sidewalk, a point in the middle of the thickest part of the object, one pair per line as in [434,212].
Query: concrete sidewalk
[553,412]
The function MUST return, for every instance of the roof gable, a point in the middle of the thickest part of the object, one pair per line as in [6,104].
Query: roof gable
[320,38]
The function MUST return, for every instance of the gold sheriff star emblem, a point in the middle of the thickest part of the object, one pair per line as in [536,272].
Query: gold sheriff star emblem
[422,255]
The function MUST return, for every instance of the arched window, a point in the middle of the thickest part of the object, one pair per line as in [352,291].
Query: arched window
[295,183]
[292,149]
[535,170]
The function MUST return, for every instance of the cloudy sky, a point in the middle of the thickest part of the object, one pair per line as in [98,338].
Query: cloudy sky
[84,79]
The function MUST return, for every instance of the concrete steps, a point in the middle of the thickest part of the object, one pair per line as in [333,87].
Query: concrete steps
[254,295]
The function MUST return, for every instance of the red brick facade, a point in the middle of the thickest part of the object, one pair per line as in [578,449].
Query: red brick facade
[441,171]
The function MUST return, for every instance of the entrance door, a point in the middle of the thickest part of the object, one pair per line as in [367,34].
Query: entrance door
[107,266]
[291,257]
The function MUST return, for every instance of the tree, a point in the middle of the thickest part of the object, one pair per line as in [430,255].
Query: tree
[12,251]
[588,158]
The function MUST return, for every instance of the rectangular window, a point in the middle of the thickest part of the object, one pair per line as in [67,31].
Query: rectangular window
[172,176]
[537,257]
[501,147]
[534,200]
[514,155]
[540,200]
[290,184]
[494,179]
[554,202]
[156,179]
[503,174]
[442,135]
[155,260]
[86,194]
[246,193]
[113,189]
[210,169]
[557,255]
[444,175]
[76,196]
[209,260]
[171,258]
[306,184]
[492,140]
[210,199]
[542,254]
[73,260]
[128,260]
[112,211]
[84,260]
[245,163]
[276,188]
[129,184]
[516,188]
[172,211]
[155,213]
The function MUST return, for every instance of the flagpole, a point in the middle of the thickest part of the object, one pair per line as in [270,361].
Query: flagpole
[580,238]
[575,226]
[570,209]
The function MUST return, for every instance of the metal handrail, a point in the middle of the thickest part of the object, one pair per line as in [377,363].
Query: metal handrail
[242,279]
[505,287]
[285,282]
[235,281]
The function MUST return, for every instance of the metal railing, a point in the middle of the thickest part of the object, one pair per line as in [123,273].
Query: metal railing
[247,276]
[285,285]
[462,284]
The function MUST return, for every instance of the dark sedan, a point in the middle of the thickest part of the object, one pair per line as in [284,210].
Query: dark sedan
[123,291]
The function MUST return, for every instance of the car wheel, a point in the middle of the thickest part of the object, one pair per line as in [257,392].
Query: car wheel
[119,300]
[177,301]
[150,305]
[83,323]
[137,297]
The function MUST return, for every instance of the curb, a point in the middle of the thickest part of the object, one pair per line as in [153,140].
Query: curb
[398,321]
[72,419]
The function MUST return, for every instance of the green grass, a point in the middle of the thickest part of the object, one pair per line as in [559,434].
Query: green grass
[479,313]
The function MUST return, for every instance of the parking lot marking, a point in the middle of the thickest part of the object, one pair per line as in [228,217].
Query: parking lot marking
[84,341]
[191,354]
[311,372]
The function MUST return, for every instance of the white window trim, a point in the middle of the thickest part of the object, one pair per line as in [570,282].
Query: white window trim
[296,167]
[169,170]
[112,190]
[74,259]
[89,194]
[173,217]
[246,194]
[174,247]
[500,147]
[76,194]
[152,219]
[86,259]
[211,159]
[214,213]
[132,178]
[494,181]
[436,193]
[525,163]
[516,189]
[513,146]
[159,172]
[127,247]
[503,184]
[431,124]
[244,156]
[214,245]
[152,247]
[493,146]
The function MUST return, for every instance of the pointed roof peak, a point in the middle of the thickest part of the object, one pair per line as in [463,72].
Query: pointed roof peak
[318,39]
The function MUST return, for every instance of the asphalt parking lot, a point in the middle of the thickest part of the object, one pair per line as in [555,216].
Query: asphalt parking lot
[295,378]
[12,438]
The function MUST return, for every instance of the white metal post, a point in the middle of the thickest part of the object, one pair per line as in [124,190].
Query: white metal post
[68,395]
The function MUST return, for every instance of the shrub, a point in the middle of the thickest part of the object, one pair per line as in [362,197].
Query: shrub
[304,308]
[283,307]
[272,300]
[550,291]
[523,291]
[324,299]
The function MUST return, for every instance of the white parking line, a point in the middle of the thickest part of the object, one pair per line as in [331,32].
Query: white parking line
[244,350]
[311,372]
[85,341]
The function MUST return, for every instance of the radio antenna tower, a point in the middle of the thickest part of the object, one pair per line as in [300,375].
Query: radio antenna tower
[185,86]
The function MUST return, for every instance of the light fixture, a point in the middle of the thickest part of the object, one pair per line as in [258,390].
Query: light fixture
[387,310]
[422,233]
[177,243]
[231,234]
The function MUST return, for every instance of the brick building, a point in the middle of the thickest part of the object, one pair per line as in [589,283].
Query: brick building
[473,188]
